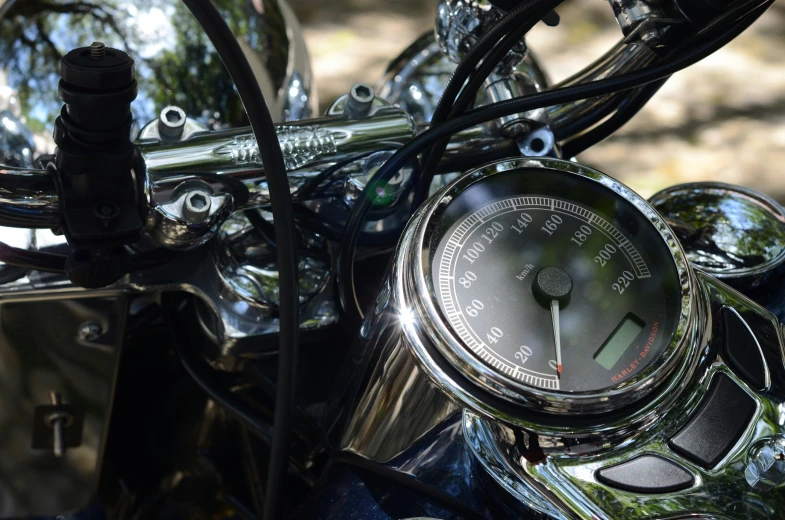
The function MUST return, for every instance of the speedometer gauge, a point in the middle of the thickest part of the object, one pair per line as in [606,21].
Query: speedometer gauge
[555,284]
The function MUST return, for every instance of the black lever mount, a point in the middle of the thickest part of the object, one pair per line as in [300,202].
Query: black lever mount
[94,160]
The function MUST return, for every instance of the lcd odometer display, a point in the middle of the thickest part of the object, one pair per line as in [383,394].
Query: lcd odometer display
[618,342]
[555,281]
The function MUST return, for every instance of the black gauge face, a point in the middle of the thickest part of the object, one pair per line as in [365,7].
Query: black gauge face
[555,281]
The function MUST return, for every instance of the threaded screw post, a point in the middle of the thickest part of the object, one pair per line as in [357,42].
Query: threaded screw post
[97,50]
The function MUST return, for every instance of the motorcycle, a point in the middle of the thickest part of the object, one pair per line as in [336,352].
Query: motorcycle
[418,305]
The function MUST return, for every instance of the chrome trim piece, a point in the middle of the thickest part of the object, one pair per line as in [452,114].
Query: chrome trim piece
[484,444]
[309,147]
[767,372]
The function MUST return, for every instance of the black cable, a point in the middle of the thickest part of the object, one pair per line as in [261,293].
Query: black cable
[261,121]
[494,111]
[593,116]
[20,182]
[625,112]
[529,15]
[252,473]
[309,187]
[265,229]
[205,377]
[217,389]
[632,105]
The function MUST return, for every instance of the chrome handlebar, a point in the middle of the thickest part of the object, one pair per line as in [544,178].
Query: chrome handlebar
[217,164]
[28,196]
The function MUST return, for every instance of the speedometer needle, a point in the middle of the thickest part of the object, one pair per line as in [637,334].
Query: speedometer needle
[556,335]
[553,286]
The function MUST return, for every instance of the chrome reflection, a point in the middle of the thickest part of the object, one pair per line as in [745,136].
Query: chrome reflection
[728,231]
[416,79]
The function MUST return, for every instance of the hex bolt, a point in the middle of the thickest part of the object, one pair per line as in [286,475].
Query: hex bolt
[89,331]
[360,100]
[97,50]
[171,122]
[196,206]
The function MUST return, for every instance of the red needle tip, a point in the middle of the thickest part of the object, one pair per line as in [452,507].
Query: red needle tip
[558,369]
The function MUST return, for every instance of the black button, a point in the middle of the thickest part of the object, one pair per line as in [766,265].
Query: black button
[717,425]
[647,474]
[741,350]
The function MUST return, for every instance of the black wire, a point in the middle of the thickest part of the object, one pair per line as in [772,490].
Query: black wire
[205,377]
[633,104]
[596,115]
[309,187]
[265,229]
[258,113]
[252,474]
[529,15]
[625,112]
[494,111]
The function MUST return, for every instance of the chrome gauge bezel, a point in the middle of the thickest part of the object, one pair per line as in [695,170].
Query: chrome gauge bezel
[419,292]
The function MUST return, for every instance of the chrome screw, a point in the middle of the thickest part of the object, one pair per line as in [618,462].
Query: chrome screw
[171,122]
[89,331]
[97,51]
[360,100]
[196,206]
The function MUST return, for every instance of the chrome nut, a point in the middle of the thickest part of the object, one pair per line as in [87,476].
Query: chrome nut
[766,465]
